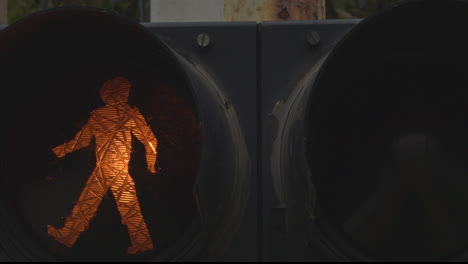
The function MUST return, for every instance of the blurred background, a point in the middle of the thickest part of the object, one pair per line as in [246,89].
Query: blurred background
[205,10]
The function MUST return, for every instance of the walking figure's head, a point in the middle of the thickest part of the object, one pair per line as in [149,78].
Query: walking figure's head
[115,91]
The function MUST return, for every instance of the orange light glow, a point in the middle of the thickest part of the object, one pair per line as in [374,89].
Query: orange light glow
[112,127]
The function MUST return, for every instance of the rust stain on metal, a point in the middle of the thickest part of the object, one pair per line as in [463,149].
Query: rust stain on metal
[243,10]
[300,9]
[270,10]
[283,14]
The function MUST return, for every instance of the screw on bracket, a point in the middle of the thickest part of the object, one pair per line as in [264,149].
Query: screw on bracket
[203,40]
[313,38]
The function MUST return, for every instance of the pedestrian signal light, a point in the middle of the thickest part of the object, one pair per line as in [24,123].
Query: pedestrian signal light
[121,146]
[112,127]
[365,140]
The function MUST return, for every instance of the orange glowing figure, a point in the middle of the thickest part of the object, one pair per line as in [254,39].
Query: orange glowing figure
[112,127]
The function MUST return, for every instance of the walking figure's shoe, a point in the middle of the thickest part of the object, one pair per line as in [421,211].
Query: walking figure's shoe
[57,235]
[54,233]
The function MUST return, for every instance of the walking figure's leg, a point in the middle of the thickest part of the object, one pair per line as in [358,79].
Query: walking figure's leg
[127,203]
[83,211]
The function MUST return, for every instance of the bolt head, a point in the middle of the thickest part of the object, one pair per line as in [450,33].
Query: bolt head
[313,38]
[203,40]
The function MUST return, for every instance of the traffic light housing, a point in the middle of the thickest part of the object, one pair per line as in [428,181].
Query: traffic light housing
[363,139]
[292,54]
[297,141]
[55,62]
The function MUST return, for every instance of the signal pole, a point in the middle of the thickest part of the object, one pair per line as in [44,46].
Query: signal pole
[236,10]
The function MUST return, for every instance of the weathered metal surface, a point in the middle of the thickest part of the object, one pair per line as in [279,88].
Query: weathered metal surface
[186,10]
[272,10]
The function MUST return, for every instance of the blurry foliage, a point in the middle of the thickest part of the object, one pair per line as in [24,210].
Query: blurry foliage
[130,8]
[338,9]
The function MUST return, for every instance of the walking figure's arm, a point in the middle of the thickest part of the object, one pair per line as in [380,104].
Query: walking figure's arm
[82,139]
[142,131]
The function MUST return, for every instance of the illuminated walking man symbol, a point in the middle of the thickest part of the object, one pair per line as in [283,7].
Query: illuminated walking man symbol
[112,127]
